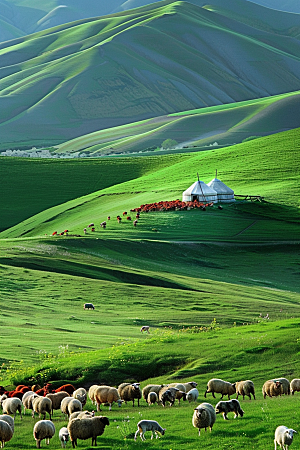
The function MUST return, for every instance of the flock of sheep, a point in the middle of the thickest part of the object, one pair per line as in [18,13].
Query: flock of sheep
[85,425]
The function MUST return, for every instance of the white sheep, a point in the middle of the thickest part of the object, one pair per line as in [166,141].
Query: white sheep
[192,395]
[245,387]
[81,415]
[9,420]
[284,437]
[6,432]
[41,406]
[27,400]
[149,425]
[70,405]
[152,398]
[43,429]
[204,416]
[81,395]
[91,393]
[152,388]
[295,385]
[129,392]
[11,406]
[189,385]
[107,394]
[87,428]
[221,387]
[63,436]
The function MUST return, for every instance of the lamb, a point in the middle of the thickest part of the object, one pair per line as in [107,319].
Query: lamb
[70,405]
[107,394]
[63,436]
[57,398]
[285,385]
[149,425]
[167,394]
[152,398]
[9,420]
[129,392]
[91,393]
[43,429]
[42,405]
[28,399]
[221,387]
[295,385]
[192,395]
[145,328]
[11,406]
[204,416]
[180,395]
[283,437]
[87,428]
[152,388]
[245,388]
[81,415]
[6,432]
[81,395]
[88,306]
[271,388]
[224,407]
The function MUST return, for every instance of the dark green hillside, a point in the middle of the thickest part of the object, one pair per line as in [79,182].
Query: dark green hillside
[90,75]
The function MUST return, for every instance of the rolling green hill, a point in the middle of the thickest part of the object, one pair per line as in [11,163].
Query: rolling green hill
[90,75]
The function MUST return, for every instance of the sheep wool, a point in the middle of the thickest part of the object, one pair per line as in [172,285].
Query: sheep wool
[204,416]
[6,432]
[129,392]
[107,394]
[63,436]
[87,428]
[283,437]
[152,398]
[56,399]
[192,395]
[220,387]
[91,393]
[41,406]
[81,415]
[295,385]
[11,406]
[167,394]
[245,388]
[43,429]
[152,388]
[81,395]
[272,388]
[285,385]
[9,420]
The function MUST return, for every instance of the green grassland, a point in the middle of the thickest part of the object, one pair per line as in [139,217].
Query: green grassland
[99,73]
[202,280]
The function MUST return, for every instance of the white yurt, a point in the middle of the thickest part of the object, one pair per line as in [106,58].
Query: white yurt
[201,192]
[225,193]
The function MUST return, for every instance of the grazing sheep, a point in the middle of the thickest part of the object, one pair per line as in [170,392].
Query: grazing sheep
[9,420]
[107,394]
[271,388]
[88,306]
[43,429]
[57,398]
[6,432]
[192,395]
[11,406]
[145,328]
[129,392]
[81,415]
[204,416]
[283,437]
[285,385]
[189,385]
[295,385]
[224,407]
[167,394]
[28,399]
[63,436]
[152,398]
[149,425]
[42,405]
[87,428]
[69,405]
[245,388]
[152,388]
[220,387]
[91,393]
[81,395]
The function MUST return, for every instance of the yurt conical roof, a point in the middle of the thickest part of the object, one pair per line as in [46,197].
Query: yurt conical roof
[200,191]
[225,193]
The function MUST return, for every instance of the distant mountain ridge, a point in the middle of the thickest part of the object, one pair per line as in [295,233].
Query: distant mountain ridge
[165,58]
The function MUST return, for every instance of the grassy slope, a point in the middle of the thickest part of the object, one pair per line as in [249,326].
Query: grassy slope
[51,89]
